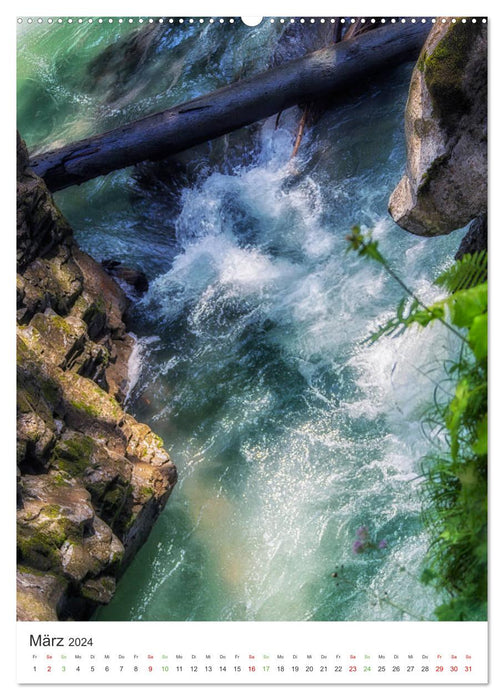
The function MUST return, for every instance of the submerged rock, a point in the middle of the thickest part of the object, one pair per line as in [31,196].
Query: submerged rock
[134,278]
[445,185]
[91,480]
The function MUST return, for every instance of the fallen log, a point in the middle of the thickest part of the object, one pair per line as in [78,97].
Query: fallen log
[312,110]
[318,74]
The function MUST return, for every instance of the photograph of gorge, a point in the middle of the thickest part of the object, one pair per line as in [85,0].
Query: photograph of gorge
[252,319]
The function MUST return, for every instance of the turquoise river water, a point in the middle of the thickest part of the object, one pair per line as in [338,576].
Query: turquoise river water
[288,432]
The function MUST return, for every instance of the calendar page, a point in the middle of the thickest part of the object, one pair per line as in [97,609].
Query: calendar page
[251,348]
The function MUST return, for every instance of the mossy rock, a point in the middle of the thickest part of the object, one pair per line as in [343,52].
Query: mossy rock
[73,454]
[435,169]
[60,478]
[114,506]
[79,499]
[93,312]
[445,69]
[75,560]
[58,278]
[446,129]
[68,278]
[29,299]
[105,475]
[144,494]
[50,514]
[85,397]
[99,590]
[131,520]
[37,391]
[143,443]
[35,438]
[63,338]
[39,594]
[40,224]
[113,499]
[39,544]
[92,363]
[20,289]
[32,607]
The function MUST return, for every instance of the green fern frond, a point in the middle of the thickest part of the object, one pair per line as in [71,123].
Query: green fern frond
[468,272]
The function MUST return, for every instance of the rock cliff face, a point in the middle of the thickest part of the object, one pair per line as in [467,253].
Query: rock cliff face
[446,131]
[91,480]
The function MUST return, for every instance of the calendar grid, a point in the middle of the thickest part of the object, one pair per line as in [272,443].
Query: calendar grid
[257,653]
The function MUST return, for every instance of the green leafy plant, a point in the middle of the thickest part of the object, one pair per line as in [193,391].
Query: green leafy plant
[454,484]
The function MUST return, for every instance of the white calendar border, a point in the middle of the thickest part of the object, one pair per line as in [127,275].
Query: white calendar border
[271,8]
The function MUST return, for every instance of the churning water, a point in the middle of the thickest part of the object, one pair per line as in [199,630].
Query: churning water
[288,432]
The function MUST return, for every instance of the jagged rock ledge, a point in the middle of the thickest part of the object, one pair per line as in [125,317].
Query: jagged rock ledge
[91,480]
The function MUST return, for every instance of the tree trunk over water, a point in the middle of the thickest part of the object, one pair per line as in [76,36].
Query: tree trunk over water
[321,73]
